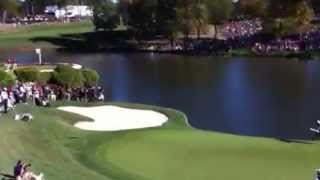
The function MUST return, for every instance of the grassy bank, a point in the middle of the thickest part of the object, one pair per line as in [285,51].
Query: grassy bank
[174,151]
[24,37]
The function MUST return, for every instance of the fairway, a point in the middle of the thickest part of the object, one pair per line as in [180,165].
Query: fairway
[23,37]
[53,146]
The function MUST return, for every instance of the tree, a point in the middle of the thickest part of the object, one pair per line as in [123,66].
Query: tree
[33,7]
[200,16]
[105,16]
[288,17]
[91,77]
[167,19]
[252,8]
[6,79]
[142,16]
[219,12]
[8,6]
[68,77]
[315,5]
[185,17]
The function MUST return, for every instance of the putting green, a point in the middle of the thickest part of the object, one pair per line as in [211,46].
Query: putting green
[174,151]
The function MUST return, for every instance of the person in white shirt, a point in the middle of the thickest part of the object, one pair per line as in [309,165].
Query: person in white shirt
[5,97]
[23,93]
[11,101]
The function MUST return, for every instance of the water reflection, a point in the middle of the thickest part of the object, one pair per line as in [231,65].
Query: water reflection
[260,97]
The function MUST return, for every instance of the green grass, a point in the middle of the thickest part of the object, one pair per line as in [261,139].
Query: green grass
[22,37]
[174,151]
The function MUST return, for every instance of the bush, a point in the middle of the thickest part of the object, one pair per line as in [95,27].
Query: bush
[28,74]
[91,77]
[67,76]
[6,79]
[45,77]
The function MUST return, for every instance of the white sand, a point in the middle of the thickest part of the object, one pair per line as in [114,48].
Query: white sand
[114,118]
[76,66]
[46,70]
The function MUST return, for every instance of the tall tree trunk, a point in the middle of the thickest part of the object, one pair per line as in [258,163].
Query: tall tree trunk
[198,33]
[171,41]
[4,16]
[215,31]
[32,9]
[186,38]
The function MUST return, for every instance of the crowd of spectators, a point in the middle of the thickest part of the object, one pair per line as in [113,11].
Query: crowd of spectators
[33,19]
[245,34]
[162,46]
[39,19]
[287,45]
[191,46]
[44,95]
[242,29]
[304,42]
[235,34]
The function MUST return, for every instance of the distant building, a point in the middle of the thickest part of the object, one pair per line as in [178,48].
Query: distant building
[69,11]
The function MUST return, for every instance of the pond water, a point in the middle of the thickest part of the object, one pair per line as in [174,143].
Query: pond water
[266,97]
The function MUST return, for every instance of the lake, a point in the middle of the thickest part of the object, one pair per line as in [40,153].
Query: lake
[265,97]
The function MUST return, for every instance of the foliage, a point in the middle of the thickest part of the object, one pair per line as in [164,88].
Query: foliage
[219,11]
[251,8]
[143,16]
[67,76]
[91,77]
[45,77]
[200,16]
[316,5]
[28,74]
[167,19]
[105,16]
[8,6]
[186,17]
[6,79]
[288,17]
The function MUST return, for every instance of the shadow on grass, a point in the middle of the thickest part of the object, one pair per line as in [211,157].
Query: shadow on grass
[296,141]
[90,41]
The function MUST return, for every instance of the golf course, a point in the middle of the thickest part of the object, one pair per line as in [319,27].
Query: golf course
[174,151]
[25,36]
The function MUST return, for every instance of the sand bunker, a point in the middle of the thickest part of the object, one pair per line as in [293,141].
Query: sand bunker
[76,66]
[114,118]
[46,70]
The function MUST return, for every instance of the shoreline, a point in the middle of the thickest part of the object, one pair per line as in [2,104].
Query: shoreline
[235,53]
[186,122]
[168,147]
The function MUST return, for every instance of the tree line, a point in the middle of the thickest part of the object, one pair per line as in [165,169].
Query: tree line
[171,17]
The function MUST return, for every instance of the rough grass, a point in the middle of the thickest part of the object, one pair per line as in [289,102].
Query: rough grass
[23,37]
[174,151]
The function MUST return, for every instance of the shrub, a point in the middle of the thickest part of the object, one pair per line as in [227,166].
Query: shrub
[28,74]
[45,77]
[67,76]
[91,77]
[6,79]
